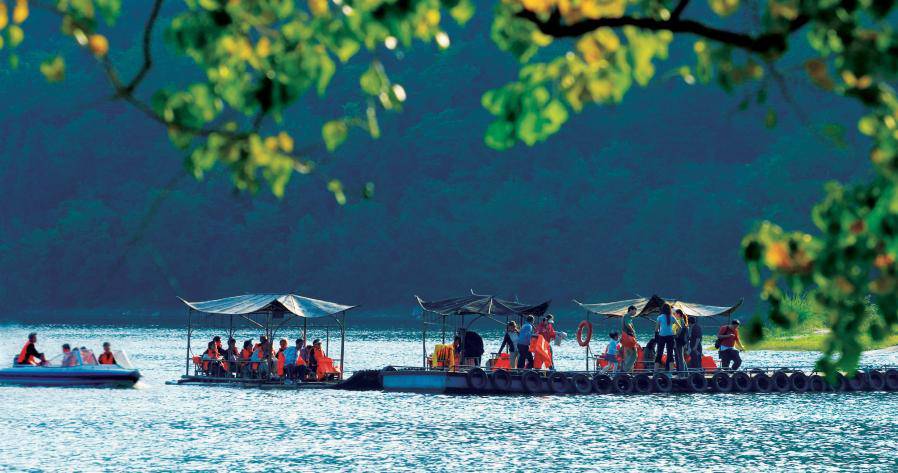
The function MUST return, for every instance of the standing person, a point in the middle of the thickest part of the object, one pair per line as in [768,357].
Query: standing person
[511,341]
[694,344]
[680,329]
[29,354]
[107,358]
[628,346]
[730,346]
[627,320]
[525,358]
[665,327]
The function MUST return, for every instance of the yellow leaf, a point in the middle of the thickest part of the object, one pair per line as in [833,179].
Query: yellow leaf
[98,44]
[285,141]
[4,15]
[20,12]
[263,47]
[318,7]
[724,7]
[16,35]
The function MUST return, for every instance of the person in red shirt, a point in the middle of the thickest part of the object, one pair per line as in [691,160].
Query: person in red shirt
[730,346]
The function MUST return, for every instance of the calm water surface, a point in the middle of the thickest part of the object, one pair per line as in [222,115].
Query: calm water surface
[163,428]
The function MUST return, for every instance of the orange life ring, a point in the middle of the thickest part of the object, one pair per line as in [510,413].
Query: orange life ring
[588,327]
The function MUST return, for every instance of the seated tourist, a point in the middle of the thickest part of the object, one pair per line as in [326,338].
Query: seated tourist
[281,358]
[324,366]
[29,354]
[87,356]
[212,360]
[68,356]
[246,354]
[107,358]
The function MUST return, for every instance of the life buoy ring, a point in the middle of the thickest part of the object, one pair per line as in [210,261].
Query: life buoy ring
[476,378]
[580,340]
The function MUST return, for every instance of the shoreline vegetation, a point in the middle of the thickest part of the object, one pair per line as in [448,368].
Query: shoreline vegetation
[810,331]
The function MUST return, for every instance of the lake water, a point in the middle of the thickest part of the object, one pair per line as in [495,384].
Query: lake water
[155,427]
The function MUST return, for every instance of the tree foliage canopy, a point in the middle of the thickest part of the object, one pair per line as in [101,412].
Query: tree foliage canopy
[255,60]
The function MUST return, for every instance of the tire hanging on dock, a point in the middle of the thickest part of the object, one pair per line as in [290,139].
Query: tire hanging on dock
[798,382]
[697,383]
[602,383]
[858,382]
[623,383]
[891,379]
[816,383]
[876,380]
[780,381]
[642,384]
[501,380]
[532,381]
[582,383]
[476,378]
[761,383]
[662,383]
[721,382]
[741,382]
[841,383]
[559,383]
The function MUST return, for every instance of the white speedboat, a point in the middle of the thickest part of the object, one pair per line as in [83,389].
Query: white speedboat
[78,371]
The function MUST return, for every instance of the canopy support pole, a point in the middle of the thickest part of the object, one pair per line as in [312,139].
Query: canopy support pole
[231,328]
[587,345]
[342,340]
[424,339]
[187,359]
[327,339]
[305,331]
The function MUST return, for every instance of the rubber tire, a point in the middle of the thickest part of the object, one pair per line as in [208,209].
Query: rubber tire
[816,383]
[531,381]
[841,383]
[858,382]
[697,383]
[581,383]
[559,383]
[779,382]
[761,383]
[623,383]
[892,379]
[501,380]
[476,379]
[798,382]
[602,383]
[662,383]
[642,384]
[741,382]
[876,381]
[721,382]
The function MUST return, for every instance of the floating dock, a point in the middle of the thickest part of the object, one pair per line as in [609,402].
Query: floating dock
[782,380]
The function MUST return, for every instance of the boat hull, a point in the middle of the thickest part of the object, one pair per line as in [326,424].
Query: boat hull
[105,376]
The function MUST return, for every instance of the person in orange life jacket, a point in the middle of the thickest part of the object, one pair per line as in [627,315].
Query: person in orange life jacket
[628,349]
[106,358]
[281,358]
[730,345]
[212,360]
[549,334]
[29,354]
[246,355]
[68,356]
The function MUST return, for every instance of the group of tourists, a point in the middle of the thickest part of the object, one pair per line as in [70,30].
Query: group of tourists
[677,341]
[29,355]
[529,346]
[261,360]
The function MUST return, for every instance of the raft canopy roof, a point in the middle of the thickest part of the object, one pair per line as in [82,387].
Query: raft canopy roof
[646,307]
[482,305]
[246,304]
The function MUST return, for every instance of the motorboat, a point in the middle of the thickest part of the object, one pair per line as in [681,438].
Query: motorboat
[78,368]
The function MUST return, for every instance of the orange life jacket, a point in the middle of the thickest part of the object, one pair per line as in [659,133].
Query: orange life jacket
[107,359]
[325,366]
[300,361]
[281,360]
[213,355]
[24,358]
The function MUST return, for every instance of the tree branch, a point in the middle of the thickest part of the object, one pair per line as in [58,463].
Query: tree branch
[764,43]
[678,10]
[147,56]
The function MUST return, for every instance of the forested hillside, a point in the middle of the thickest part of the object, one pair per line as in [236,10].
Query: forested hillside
[651,197]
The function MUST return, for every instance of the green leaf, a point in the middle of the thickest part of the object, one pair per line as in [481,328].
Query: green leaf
[368,191]
[109,10]
[53,69]
[372,81]
[463,11]
[334,134]
[770,119]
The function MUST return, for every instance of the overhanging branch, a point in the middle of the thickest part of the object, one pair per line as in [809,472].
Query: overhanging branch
[764,43]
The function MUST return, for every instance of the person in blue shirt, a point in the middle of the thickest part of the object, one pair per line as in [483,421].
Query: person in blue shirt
[525,357]
[665,327]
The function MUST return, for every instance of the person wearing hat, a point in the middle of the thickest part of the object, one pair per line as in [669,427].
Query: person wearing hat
[730,345]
